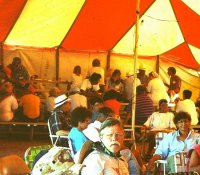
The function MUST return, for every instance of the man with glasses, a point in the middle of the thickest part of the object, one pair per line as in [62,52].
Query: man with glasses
[181,140]
[105,158]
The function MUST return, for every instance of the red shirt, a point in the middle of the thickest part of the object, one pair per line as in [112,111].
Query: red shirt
[113,104]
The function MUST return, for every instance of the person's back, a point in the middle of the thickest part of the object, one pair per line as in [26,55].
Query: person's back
[188,105]
[77,99]
[31,105]
[7,106]
[8,102]
[128,86]
[156,88]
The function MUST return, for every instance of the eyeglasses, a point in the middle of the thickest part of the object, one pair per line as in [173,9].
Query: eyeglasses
[183,121]
[117,135]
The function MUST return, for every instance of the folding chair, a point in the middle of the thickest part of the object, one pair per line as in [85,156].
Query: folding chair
[31,153]
[158,138]
[131,133]
[56,139]
[180,162]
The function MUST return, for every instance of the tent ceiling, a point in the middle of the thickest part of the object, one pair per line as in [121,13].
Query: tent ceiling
[167,27]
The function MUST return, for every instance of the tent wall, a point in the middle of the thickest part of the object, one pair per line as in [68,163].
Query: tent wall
[68,60]
[42,63]
[37,62]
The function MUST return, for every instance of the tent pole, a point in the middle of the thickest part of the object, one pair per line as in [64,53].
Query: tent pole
[57,64]
[157,63]
[135,62]
[108,60]
[1,54]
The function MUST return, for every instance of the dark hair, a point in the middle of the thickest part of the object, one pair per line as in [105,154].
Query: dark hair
[80,114]
[111,94]
[95,99]
[96,63]
[106,111]
[77,68]
[16,60]
[187,94]
[140,90]
[162,101]
[110,122]
[181,115]
[95,77]
[172,69]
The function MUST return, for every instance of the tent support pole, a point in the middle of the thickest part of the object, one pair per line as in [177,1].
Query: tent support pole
[157,63]
[135,62]
[57,65]
[108,60]
[1,54]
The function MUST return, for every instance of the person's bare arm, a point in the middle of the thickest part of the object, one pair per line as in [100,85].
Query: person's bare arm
[151,163]
[194,164]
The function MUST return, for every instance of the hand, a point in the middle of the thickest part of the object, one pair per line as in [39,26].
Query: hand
[76,168]
[150,166]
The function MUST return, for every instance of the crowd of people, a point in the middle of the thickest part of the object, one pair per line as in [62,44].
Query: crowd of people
[90,110]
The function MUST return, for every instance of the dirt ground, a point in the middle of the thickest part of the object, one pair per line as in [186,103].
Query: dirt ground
[18,144]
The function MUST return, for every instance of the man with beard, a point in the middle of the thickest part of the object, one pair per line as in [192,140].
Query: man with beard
[105,157]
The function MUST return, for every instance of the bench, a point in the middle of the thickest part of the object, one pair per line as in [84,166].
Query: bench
[31,125]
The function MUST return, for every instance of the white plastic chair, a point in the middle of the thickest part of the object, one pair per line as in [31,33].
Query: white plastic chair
[159,137]
[56,138]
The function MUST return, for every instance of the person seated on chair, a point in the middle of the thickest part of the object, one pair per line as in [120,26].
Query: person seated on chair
[178,141]
[80,119]
[90,86]
[59,120]
[105,157]
[92,133]
[96,103]
[160,121]
[29,104]
[194,158]
[187,105]
[8,102]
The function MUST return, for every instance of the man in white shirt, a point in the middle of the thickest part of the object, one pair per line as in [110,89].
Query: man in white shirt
[77,99]
[187,105]
[128,85]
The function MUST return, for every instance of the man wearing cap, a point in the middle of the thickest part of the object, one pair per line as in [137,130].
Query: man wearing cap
[128,85]
[106,158]
[60,119]
[141,75]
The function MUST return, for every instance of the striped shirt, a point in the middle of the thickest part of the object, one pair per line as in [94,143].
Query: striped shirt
[144,108]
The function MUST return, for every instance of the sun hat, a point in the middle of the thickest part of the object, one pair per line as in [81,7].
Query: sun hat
[61,100]
[142,67]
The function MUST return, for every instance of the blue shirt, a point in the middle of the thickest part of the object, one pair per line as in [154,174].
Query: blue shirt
[170,145]
[77,138]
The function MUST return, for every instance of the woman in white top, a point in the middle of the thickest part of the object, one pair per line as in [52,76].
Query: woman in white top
[8,102]
[156,88]
[76,78]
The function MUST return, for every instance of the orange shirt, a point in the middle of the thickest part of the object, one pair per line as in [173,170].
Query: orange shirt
[31,105]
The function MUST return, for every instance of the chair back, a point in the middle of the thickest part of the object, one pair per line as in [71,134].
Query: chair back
[13,164]
[180,162]
[159,137]
[32,152]
[62,141]
[185,173]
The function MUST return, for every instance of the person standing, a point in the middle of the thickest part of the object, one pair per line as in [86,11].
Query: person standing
[175,83]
